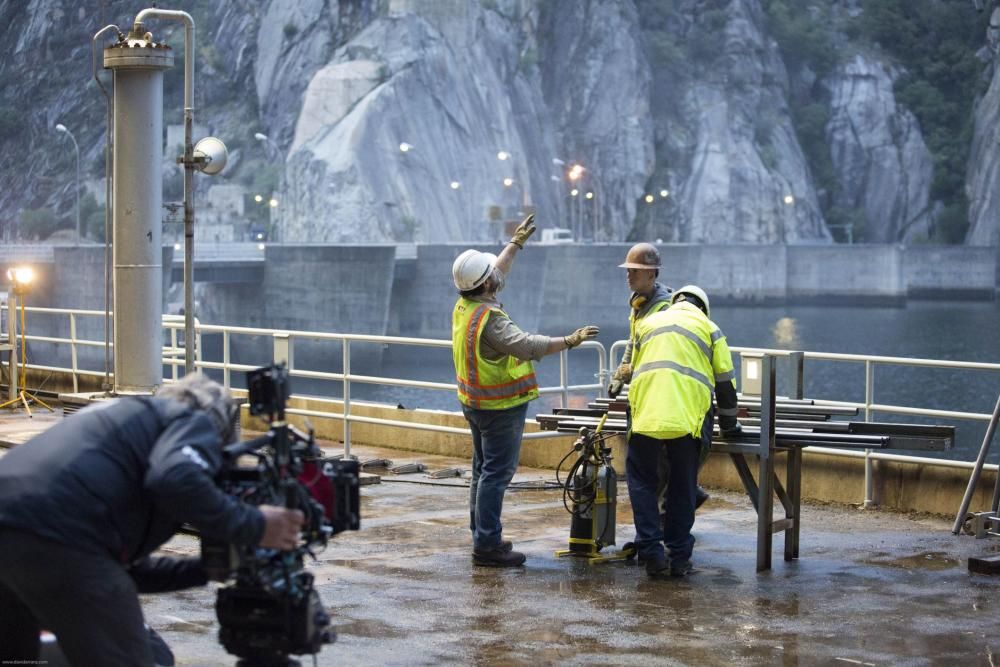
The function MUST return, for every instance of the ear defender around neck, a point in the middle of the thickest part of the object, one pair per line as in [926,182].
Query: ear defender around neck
[637,301]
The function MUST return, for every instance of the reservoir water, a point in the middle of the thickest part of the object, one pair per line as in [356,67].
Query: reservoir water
[959,331]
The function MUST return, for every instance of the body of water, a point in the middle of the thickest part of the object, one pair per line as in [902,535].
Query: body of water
[959,331]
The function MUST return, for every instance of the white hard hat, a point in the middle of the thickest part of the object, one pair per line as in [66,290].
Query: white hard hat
[696,292]
[472,268]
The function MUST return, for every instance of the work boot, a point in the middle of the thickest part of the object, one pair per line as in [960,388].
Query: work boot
[502,555]
[506,546]
[680,568]
[657,567]
[700,496]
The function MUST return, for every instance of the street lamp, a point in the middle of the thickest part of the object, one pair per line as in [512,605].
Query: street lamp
[62,128]
[275,219]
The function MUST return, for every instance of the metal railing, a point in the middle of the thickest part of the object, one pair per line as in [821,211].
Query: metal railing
[869,405]
[283,349]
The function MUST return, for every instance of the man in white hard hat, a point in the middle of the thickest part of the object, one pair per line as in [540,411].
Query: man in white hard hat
[496,380]
[681,360]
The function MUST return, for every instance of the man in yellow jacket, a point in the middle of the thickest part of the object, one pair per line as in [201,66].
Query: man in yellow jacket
[680,361]
[496,380]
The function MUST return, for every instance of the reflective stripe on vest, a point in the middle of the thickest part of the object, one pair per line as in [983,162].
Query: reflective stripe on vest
[676,371]
[490,385]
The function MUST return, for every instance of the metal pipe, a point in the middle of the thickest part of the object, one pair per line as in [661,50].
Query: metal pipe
[189,167]
[106,386]
[977,469]
[138,64]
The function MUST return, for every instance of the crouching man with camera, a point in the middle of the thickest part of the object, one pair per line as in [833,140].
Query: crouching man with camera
[84,504]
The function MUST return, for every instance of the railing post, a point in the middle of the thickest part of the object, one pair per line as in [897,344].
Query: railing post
[796,361]
[173,359]
[72,350]
[282,349]
[347,398]
[765,474]
[564,377]
[869,462]
[225,360]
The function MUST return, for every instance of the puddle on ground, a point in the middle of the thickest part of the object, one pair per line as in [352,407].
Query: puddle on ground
[928,560]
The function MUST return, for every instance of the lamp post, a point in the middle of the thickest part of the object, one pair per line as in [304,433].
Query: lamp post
[269,143]
[62,128]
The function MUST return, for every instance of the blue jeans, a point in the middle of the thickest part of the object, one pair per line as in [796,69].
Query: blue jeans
[496,448]
[642,464]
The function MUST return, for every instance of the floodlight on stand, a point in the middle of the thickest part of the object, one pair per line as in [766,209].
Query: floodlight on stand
[20,278]
[211,155]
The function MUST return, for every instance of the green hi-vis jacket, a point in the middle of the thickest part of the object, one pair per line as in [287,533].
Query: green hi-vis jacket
[679,357]
[485,384]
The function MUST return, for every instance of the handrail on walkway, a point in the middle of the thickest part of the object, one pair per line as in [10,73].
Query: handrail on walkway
[283,349]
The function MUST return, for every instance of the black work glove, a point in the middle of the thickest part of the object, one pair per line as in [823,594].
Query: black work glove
[734,431]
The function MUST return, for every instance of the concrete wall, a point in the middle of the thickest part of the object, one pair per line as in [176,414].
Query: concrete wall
[946,271]
[873,273]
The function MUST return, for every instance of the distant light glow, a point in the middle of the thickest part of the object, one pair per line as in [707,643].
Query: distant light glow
[503,155]
[260,237]
[258,198]
[273,203]
[21,275]
[589,195]
[575,172]
[507,182]
[260,246]
[664,193]
[574,192]
[177,246]
[789,199]
[455,185]
[650,199]
[405,147]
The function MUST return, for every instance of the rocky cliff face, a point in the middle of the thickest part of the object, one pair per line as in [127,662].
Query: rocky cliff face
[339,85]
[739,174]
[882,165]
[983,179]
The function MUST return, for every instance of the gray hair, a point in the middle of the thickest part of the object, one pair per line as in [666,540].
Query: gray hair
[200,392]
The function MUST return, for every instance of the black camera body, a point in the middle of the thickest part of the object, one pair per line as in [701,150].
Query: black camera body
[271,608]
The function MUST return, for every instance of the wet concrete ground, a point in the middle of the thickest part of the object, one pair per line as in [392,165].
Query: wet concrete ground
[869,588]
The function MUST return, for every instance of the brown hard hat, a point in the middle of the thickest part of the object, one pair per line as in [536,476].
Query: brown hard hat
[642,256]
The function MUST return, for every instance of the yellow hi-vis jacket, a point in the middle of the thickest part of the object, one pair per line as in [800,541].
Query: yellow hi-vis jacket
[679,357]
[485,384]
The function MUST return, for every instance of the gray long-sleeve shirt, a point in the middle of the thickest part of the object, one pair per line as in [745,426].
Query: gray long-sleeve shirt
[501,337]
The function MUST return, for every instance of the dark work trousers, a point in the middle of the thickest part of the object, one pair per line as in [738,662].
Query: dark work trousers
[88,601]
[706,448]
[496,449]
[642,467]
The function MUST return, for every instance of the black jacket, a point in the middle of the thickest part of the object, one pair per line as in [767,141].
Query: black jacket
[120,477]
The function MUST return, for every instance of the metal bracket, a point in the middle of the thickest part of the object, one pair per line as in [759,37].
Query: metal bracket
[408,468]
[447,472]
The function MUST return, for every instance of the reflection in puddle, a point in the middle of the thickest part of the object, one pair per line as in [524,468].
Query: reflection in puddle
[929,560]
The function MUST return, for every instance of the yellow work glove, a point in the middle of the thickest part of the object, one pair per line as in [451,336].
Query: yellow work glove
[523,231]
[621,377]
[580,335]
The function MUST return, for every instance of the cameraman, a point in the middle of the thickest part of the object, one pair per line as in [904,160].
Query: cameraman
[83,505]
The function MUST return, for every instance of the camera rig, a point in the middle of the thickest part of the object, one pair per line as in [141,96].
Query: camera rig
[271,608]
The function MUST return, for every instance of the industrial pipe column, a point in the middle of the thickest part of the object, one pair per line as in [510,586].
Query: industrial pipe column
[138,64]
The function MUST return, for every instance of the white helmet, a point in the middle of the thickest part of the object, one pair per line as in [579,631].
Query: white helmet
[696,292]
[472,268]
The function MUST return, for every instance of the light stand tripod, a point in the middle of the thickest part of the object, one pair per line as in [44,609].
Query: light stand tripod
[20,279]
